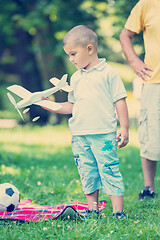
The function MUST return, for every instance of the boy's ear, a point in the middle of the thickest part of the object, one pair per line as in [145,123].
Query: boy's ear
[90,49]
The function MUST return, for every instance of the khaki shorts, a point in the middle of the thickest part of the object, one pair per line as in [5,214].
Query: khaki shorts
[149,122]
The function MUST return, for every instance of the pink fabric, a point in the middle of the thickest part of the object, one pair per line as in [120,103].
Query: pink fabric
[26,211]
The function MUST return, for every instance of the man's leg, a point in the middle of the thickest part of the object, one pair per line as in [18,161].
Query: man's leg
[149,171]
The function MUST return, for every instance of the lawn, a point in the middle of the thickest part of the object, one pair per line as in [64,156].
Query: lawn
[39,162]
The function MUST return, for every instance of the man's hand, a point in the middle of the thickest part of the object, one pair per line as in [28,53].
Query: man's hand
[141,69]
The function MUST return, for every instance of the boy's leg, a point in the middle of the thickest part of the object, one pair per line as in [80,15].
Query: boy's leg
[104,148]
[149,170]
[117,203]
[92,200]
[88,170]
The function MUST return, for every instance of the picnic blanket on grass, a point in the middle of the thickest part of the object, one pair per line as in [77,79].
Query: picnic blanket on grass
[27,211]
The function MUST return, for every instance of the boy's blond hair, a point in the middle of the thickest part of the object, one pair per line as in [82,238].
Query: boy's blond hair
[81,35]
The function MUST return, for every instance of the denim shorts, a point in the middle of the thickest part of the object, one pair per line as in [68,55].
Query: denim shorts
[98,163]
[149,122]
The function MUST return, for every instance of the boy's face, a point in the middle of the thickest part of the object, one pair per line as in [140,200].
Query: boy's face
[79,56]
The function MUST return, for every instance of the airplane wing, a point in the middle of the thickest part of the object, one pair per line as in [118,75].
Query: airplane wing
[54,81]
[20,91]
[49,104]
[66,87]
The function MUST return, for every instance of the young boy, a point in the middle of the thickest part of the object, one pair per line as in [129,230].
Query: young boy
[97,91]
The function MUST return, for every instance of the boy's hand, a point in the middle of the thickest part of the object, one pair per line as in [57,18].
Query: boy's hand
[124,135]
[45,98]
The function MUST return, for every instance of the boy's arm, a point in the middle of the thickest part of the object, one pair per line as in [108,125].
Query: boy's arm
[122,112]
[66,107]
[140,68]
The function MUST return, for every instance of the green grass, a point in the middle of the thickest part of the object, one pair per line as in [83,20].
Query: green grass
[39,162]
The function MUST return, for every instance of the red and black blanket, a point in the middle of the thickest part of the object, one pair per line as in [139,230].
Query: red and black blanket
[27,211]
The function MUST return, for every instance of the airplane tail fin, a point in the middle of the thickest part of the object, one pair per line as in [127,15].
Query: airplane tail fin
[12,100]
[62,84]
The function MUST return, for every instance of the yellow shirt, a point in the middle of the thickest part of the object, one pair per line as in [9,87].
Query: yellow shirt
[145,16]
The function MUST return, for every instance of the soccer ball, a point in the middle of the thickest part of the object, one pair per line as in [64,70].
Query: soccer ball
[9,197]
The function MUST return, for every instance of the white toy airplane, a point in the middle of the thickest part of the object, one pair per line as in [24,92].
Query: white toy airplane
[36,97]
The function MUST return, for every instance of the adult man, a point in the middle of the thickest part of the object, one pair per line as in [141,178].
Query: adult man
[145,17]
